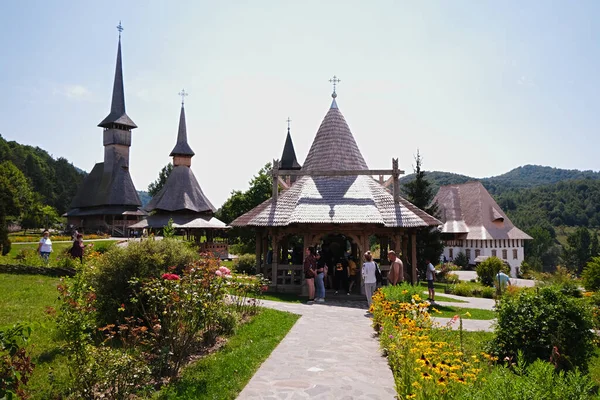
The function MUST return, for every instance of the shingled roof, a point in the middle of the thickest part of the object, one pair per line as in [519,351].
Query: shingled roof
[288,157]
[117,108]
[182,148]
[469,209]
[338,199]
[106,188]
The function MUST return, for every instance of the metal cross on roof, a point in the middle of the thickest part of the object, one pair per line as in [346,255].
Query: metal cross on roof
[289,121]
[183,93]
[335,81]
[120,29]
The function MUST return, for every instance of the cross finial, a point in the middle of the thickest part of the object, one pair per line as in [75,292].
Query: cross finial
[335,81]
[289,121]
[183,93]
[120,29]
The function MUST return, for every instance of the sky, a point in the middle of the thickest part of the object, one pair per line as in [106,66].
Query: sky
[478,87]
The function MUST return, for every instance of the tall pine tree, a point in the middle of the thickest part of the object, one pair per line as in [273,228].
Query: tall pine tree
[420,193]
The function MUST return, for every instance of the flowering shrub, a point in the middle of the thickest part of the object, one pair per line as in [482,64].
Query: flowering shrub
[15,364]
[424,366]
[246,290]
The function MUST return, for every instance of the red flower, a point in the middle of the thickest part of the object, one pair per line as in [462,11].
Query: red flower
[170,277]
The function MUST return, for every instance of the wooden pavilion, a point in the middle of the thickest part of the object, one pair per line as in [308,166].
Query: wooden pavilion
[182,199]
[335,195]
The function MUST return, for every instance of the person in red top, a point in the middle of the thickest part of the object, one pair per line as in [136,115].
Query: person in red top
[310,271]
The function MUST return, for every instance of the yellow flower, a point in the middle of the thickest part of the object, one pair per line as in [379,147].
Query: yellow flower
[467,314]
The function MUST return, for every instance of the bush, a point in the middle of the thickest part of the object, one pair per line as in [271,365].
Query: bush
[529,382]
[401,293]
[487,293]
[245,264]
[487,270]
[463,289]
[143,260]
[562,278]
[591,275]
[15,364]
[461,260]
[544,322]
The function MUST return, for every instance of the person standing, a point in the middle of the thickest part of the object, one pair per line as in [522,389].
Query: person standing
[319,280]
[369,277]
[310,268]
[45,246]
[341,275]
[502,280]
[351,273]
[396,273]
[78,248]
[430,276]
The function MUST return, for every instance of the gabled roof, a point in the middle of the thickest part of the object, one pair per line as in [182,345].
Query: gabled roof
[334,147]
[107,188]
[181,192]
[469,209]
[117,108]
[288,157]
[187,221]
[336,200]
[182,148]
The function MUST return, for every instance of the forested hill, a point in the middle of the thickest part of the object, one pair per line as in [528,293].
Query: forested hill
[533,195]
[54,180]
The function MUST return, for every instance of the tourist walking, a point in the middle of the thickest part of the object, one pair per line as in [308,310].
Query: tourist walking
[310,271]
[78,248]
[45,246]
[369,277]
[396,273]
[430,275]
[319,280]
[502,280]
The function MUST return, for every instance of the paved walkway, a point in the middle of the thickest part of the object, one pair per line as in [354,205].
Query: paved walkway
[468,275]
[470,302]
[330,353]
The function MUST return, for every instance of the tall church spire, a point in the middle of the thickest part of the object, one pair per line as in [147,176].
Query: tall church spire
[288,157]
[118,118]
[182,153]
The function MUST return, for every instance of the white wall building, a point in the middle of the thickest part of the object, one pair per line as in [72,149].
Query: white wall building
[475,225]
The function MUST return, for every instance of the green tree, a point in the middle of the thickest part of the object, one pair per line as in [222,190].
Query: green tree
[168,230]
[240,203]
[15,197]
[577,252]
[163,175]
[541,252]
[591,275]
[420,193]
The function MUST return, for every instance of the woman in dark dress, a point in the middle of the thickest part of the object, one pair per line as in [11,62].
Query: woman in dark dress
[77,249]
[310,272]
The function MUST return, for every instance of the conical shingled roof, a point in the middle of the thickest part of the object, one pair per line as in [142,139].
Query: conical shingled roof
[334,147]
[182,148]
[288,157]
[117,108]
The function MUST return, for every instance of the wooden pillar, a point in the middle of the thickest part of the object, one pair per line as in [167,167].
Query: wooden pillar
[265,251]
[305,244]
[383,249]
[258,250]
[413,242]
[405,248]
[275,245]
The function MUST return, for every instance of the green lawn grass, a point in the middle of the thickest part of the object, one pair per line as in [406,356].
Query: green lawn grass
[24,298]
[59,249]
[284,297]
[451,311]
[224,374]
[439,297]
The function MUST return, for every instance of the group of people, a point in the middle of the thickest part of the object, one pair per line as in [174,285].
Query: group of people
[341,274]
[76,251]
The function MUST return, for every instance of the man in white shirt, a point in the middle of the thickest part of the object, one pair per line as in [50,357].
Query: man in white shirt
[430,275]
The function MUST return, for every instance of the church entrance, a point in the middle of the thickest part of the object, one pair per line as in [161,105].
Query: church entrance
[342,257]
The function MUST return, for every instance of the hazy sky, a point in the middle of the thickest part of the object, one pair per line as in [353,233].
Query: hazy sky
[480,87]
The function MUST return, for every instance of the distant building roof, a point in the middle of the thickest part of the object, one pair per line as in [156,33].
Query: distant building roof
[184,221]
[117,108]
[182,148]
[106,188]
[469,209]
[288,157]
[181,192]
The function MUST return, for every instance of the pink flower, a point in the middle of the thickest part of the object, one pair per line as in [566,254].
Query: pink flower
[391,336]
[170,277]
[218,273]
[225,270]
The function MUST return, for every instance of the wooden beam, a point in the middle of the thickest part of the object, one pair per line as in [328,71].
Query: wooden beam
[283,183]
[342,173]
[275,175]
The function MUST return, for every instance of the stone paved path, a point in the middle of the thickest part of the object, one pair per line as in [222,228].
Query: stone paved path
[330,353]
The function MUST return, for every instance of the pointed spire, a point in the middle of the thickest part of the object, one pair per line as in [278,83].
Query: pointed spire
[288,157]
[335,80]
[182,148]
[117,115]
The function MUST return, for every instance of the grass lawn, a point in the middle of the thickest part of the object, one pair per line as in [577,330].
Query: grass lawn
[59,249]
[24,298]
[224,374]
[473,342]
[439,297]
[284,297]
[451,311]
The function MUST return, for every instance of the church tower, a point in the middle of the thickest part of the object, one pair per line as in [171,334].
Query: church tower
[107,200]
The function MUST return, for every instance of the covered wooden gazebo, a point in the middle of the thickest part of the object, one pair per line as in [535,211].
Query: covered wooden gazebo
[334,194]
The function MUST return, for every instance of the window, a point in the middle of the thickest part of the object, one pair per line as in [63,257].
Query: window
[494,253]
[451,254]
[513,243]
[468,253]
[504,254]
[515,254]
[477,252]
